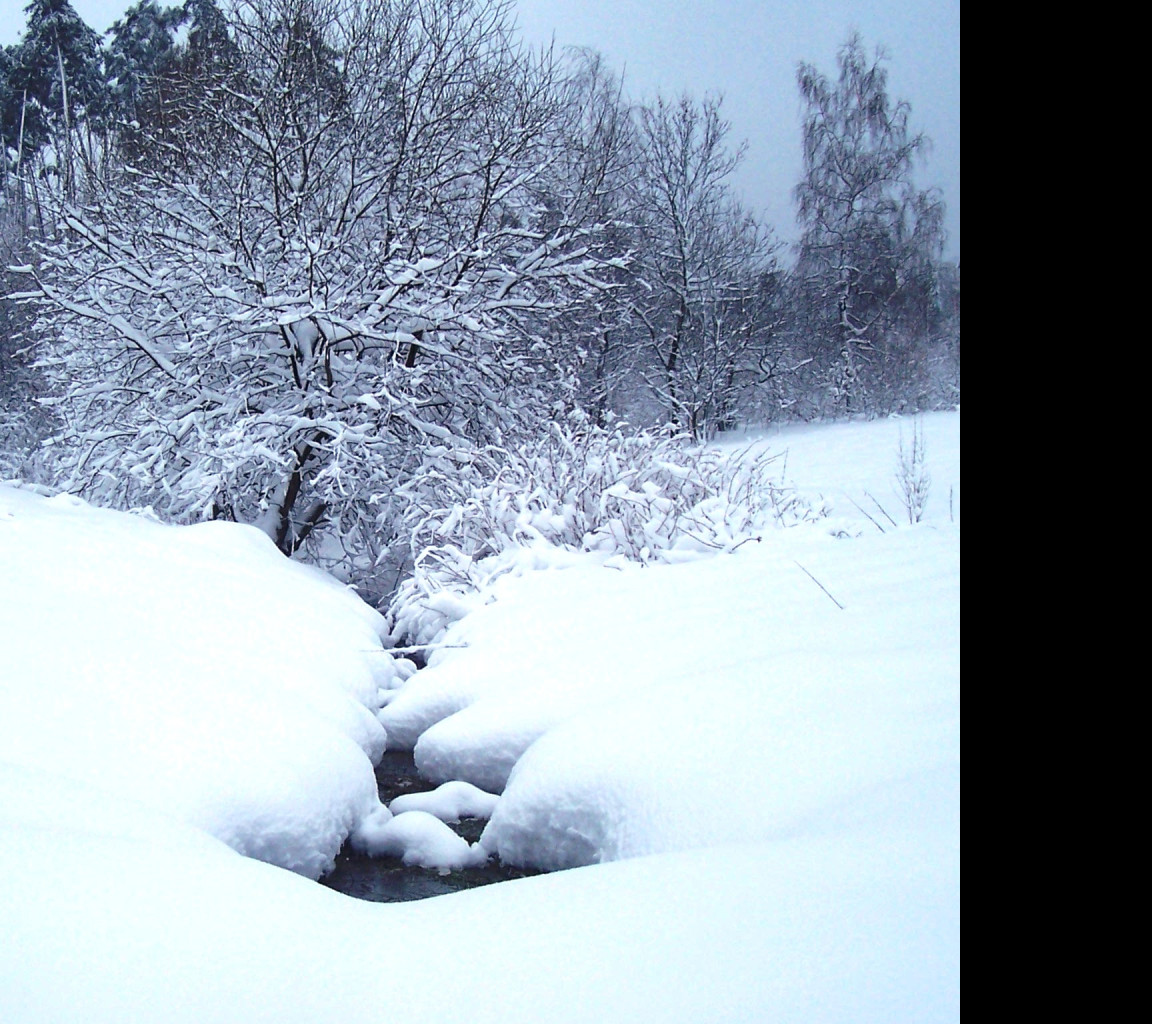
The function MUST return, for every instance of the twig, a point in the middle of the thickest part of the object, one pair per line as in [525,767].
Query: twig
[821,586]
[737,546]
[867,516]
[882,509]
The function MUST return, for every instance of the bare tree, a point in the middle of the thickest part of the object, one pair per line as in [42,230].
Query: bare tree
[868,234]
[699,261]
[338,266]
[588,185]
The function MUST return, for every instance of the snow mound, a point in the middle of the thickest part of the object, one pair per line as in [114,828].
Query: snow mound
[745,744]
[449,802]
[418,838]
[574,617]
[756,695]
[145,685]
[192,669]
[790,932]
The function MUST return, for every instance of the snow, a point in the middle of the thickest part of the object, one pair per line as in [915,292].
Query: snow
[419,839]
[756,754]
[668,707]
[710,744]
[449,802]
[106,929]
[192,669]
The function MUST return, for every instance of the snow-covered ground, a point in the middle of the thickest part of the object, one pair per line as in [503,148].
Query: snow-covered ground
[741,697]
[766,741]
[194,670]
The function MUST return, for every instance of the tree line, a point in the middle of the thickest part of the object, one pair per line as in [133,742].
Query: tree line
[271,260]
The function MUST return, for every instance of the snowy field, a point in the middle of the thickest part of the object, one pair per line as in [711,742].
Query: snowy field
[750,762]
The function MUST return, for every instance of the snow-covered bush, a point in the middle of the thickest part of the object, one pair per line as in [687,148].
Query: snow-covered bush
[577,491]
[340,246]
[912,477]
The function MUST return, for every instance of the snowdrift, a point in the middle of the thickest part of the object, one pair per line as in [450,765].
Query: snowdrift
[765,744]
[758,694]
[191,669]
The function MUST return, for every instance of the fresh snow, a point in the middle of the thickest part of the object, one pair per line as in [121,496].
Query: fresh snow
[418,838]
[449,802]
[178,929]
[708,742]
[192,669]
[747,696]
[775,776]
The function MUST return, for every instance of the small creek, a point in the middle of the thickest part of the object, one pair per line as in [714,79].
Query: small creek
[386,879]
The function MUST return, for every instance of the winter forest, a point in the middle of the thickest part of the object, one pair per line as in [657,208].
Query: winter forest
[418,471]
[318,265]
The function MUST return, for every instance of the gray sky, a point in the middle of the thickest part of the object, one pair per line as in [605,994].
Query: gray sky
[746,50]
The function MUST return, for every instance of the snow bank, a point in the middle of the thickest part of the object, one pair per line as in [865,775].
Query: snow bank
[134,917]
[853,466]
[419,839]
[156,680]
[449,802]
[809,679]
[746,739]
[191,669]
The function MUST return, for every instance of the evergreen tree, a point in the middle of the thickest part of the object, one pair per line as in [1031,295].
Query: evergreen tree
[179,80]
[210,50]
[9,134]
[139,46]
[57,77]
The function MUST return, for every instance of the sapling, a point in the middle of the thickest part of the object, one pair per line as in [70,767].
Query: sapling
[912,476]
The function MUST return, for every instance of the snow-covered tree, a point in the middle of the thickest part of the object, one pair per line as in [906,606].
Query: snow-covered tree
[56,75]
[341,263]
[870,237]
[587,183]
[23,421]
[197,66]
[699,262]
[139,45]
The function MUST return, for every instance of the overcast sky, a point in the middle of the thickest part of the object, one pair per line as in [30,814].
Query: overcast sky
[746,50]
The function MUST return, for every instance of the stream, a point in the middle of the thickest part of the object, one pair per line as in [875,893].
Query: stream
[386,879]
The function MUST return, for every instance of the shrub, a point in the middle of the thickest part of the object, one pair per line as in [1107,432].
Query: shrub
[579,493]
[913,480]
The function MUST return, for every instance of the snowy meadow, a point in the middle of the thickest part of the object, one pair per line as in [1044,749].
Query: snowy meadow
[737,758]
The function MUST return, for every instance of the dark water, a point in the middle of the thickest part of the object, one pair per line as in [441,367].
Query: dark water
[386,879]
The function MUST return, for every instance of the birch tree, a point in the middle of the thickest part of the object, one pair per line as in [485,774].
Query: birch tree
[869,235]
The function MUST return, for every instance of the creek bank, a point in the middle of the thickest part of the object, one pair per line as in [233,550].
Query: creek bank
[386,879]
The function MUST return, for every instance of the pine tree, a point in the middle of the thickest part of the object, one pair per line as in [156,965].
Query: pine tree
[57,78]
[210,49]
[186,58]
[139,46]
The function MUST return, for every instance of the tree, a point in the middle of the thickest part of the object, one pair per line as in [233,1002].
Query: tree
[56,79]
[171,85]
[586,186]
[869,236]
[335,269]
[24,420]
[9,138]
[700,256]
[140,45]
